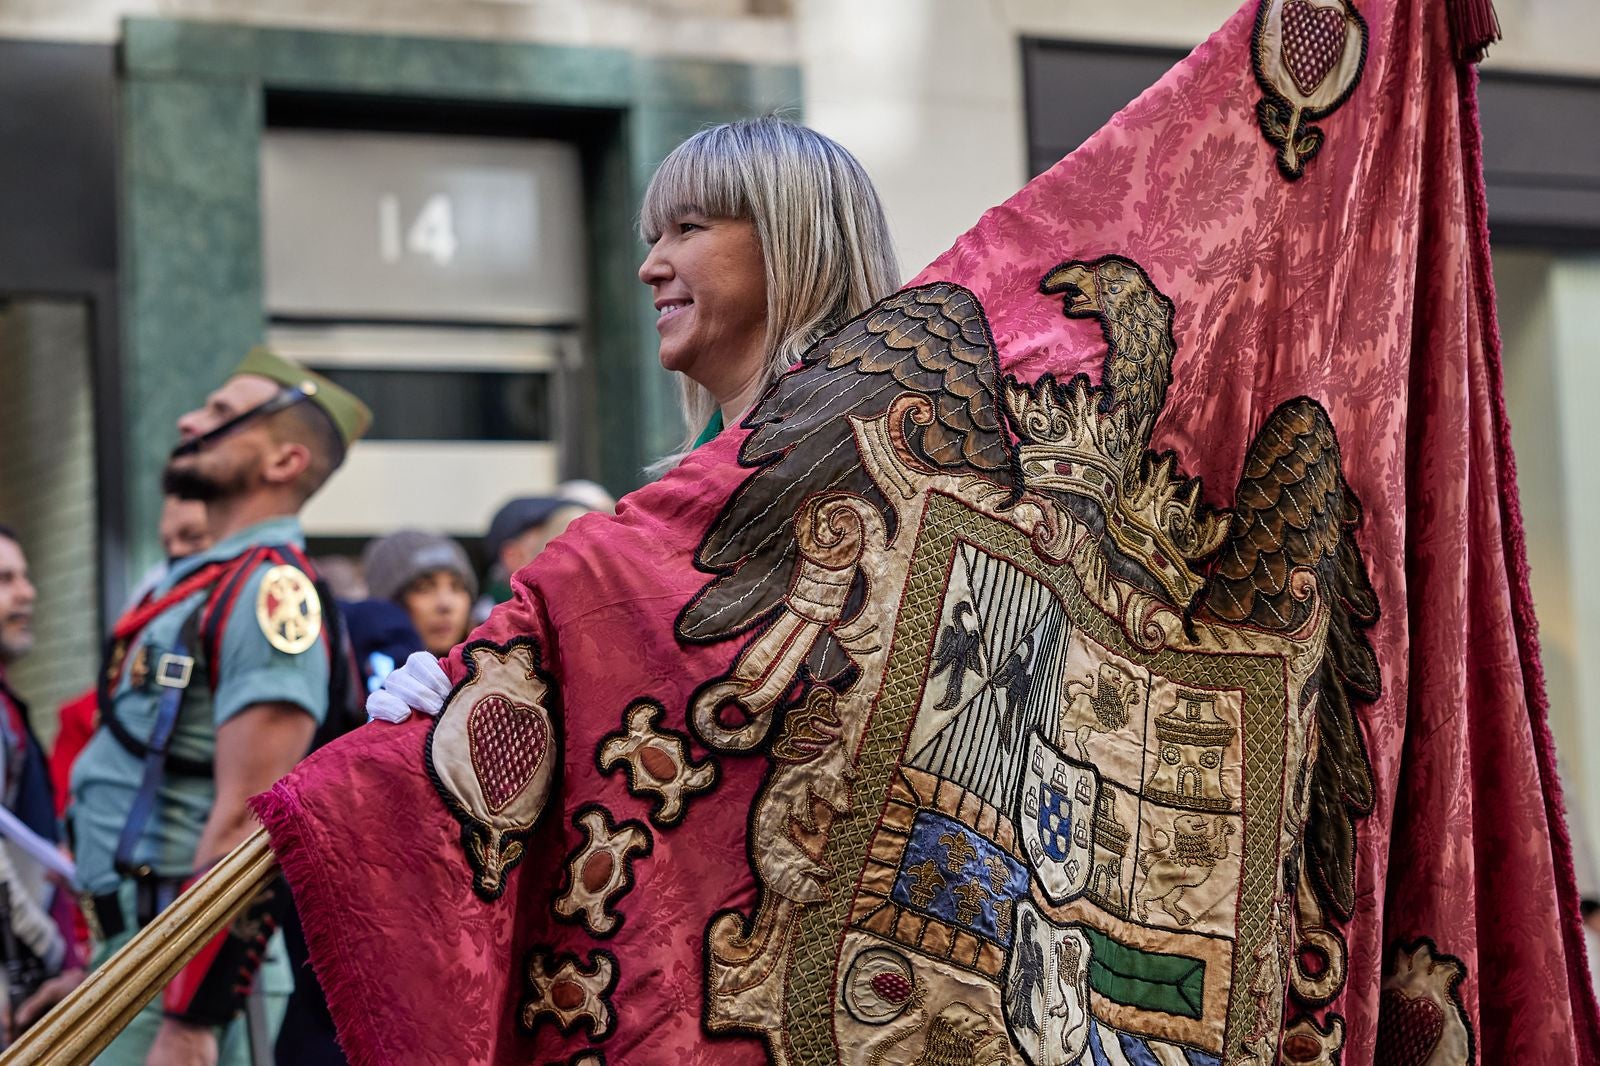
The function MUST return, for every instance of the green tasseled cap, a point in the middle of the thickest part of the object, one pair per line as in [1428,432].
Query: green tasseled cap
[350,416]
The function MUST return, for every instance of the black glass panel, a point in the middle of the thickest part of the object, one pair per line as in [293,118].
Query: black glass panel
[452,404]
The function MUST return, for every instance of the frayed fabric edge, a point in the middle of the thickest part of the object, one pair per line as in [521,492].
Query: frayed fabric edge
[292,835]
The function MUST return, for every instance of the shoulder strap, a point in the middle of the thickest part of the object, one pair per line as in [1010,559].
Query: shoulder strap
[173,674]
[171,702]
[346,707]
[223,578]
[219,608]
[219,605]
[202,640]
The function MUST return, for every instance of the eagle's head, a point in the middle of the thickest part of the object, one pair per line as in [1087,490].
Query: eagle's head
[1095,288]
[1080,285]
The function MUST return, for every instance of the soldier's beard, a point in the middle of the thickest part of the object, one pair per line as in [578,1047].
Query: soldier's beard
[188,482]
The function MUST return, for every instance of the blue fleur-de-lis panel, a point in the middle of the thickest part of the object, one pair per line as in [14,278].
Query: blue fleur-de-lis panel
[993,678]
[960,877]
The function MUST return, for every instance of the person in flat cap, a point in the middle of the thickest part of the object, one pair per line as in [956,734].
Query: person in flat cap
[518,532]
[214,685]
[431,577]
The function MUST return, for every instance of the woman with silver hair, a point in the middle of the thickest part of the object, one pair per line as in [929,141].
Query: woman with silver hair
[764,237]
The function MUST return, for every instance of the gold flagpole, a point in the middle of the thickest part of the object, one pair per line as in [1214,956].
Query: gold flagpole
[97,1010]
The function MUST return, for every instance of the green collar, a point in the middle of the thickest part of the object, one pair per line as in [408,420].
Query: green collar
[283,529]
[709,434]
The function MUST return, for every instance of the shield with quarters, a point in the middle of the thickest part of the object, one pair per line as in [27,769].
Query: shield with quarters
[1057,802]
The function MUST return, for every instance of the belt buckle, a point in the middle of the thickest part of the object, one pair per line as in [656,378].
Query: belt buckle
[173,671]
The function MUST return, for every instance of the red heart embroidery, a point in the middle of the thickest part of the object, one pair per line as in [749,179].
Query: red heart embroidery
[1409,1028]
[508,742]
[1313,41]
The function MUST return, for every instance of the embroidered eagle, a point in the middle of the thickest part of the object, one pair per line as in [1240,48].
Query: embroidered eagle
[932,340]
[1293,508]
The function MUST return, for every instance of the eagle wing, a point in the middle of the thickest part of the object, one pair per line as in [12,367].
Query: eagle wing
[932,340]
[1293,509]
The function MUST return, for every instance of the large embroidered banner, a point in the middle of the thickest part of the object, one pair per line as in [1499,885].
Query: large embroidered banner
[1114,648]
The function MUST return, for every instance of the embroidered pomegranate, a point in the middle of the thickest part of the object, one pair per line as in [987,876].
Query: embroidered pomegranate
[1409,1028]
[1313,41]
[597,870]
[508,741]
[892,986]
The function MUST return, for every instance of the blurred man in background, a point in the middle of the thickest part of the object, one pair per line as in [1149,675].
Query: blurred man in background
[183,532]
[36,939]
[517,534]
[16,610]
[214,687]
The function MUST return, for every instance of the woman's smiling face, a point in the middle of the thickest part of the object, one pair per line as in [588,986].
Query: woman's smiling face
[710,289]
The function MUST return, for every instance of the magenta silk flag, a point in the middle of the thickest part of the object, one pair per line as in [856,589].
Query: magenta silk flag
[1113,648]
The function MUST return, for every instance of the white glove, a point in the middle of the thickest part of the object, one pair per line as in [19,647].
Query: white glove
[421,685]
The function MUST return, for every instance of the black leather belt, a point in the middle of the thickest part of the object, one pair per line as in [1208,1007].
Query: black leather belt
[108,915]
[152,895]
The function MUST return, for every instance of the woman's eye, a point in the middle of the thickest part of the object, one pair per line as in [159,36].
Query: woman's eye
[688,227]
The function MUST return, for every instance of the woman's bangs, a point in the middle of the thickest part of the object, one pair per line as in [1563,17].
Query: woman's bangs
[700,175]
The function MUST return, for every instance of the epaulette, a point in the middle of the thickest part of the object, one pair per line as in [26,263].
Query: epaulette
[225,594]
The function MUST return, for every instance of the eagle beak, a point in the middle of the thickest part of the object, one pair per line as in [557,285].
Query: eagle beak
[1078,285]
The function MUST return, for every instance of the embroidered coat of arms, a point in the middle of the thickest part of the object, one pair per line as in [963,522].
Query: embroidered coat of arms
[1031,746]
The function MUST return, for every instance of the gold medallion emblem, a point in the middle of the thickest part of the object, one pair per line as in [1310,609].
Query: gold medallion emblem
[288,610]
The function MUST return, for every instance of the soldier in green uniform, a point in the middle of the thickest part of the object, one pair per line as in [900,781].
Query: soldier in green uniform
[213,688]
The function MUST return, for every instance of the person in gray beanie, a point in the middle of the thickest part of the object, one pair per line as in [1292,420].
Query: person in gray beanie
[430,576]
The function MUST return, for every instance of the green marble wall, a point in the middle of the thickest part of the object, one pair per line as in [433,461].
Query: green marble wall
[192,108]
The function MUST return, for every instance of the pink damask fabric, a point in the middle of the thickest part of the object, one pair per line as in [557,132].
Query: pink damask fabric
[1362,284]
